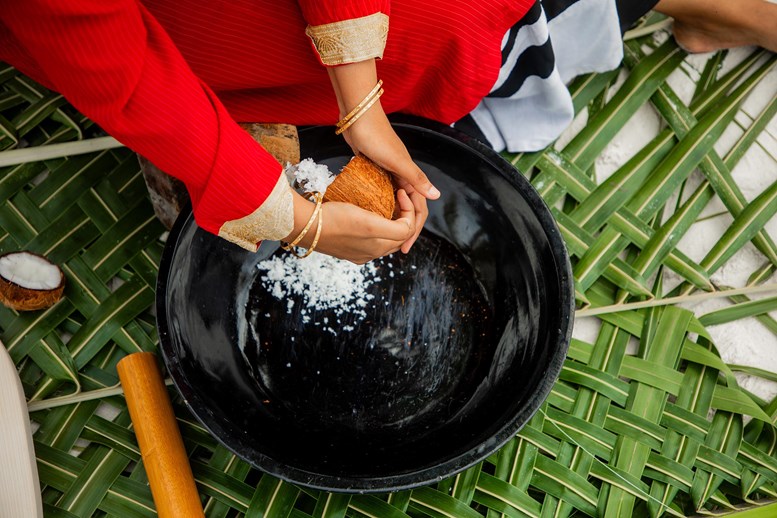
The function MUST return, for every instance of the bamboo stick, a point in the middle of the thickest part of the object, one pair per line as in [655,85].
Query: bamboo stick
[164,457]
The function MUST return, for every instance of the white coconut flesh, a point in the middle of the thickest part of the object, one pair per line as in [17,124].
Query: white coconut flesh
[30,271]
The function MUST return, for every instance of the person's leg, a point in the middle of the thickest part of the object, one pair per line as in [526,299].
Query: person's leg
[707,25]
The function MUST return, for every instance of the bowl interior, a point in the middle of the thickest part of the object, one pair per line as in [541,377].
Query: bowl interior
[458,347]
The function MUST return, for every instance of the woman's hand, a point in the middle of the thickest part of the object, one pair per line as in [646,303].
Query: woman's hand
[373,136]
[352,233]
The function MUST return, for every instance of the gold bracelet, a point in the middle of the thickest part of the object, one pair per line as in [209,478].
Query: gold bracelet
[356,117]
[315,239]
[359,106]
[319,200]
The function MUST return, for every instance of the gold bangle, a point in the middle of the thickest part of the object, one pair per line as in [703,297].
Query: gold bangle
[319,200]
[361,104]
[315,239]
[356,117]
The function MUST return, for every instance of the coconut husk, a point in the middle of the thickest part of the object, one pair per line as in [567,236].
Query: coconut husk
[365,184]
[169,195]
[280,140]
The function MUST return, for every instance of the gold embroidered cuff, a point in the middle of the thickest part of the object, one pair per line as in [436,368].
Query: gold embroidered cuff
[273,220]
[351,40]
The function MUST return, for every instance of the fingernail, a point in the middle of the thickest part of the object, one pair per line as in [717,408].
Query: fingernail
[434,192]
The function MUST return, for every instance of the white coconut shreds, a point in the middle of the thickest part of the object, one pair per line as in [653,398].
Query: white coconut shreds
[310,176]
[323,282]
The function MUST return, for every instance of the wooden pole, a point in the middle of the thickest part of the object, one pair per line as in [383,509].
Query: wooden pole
[164,457]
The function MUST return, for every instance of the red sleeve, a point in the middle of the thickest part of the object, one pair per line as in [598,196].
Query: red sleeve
[320,12]
[114,62]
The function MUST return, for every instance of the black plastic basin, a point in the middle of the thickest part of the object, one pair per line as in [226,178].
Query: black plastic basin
[458,349]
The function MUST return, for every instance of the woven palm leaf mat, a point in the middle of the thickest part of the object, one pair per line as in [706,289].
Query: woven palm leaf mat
[645,421]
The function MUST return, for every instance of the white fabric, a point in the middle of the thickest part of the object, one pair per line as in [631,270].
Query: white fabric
[585,38]
[530,35]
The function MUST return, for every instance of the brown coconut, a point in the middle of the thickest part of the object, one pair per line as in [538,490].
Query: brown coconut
[29,281]
[365,184]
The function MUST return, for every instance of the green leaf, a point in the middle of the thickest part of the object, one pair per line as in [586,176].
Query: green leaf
[226,489]
[464,483]
[746,225]
[61,426]
[765,510]
[590,438]
[400,499]
[584,88]
[53,357]
[37,113]
[709,73]
[558,168]
[8,129]
[738,311]
[640,85]
[88,490]
[373,507]
[128,498]
[750,135]
[733,400]
[436,504]
[603,383]
[667,237]
[273,498]
[673,170]
[724,439]
[490,489]
[564,484]
[331,505]
[649,373]
[618,271]
[117,310]
[115,436]
[630,456]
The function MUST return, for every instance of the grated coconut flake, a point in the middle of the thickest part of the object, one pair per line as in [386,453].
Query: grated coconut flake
[310,176]
[323,282]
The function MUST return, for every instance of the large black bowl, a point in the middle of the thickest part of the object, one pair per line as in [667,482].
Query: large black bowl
[458,349]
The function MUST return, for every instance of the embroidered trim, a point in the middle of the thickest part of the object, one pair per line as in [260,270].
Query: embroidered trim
[273,220]
[349,41]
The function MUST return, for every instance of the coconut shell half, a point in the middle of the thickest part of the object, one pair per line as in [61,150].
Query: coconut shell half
[29,281]
[365,184]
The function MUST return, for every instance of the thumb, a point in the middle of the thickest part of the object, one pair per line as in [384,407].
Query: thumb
[412,174]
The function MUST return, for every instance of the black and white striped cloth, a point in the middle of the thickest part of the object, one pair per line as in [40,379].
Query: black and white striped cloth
[529,105]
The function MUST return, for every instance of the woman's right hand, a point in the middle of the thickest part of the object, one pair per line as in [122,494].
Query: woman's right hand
[373,136]
[352,233]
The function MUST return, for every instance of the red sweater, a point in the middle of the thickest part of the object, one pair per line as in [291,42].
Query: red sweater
[169,79]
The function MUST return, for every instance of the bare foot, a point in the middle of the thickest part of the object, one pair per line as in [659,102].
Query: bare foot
[697,36]
[709,25]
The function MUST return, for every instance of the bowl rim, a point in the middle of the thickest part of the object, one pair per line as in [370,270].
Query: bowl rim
[431,474]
